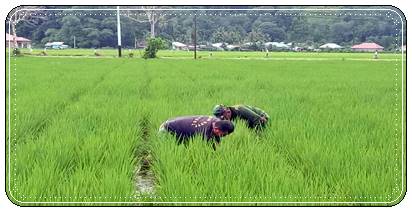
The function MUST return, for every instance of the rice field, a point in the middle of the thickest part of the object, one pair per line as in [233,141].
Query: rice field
[81,128]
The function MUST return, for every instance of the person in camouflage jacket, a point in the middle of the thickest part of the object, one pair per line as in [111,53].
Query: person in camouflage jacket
[255,117]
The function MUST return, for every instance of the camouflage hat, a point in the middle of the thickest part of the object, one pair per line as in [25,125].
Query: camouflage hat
[218,110]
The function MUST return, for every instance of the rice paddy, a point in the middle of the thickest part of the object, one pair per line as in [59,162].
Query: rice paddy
[80,129]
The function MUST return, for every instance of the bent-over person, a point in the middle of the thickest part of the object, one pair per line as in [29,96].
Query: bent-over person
[186,127]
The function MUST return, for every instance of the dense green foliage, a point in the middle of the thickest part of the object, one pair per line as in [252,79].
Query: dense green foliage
[79,124]
[97,29]
[153,46]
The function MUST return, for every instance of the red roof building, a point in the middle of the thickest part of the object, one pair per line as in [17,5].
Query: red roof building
[370,47]
[21,42]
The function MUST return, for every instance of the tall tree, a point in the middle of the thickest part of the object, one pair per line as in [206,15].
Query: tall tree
[72,26]
[153,15]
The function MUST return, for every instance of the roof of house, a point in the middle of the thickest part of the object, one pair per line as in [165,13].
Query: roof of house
[18,39]
[277,44]
[178,44]
[330,46]
[218,45]
[54,43]
[230,46]
[367,46]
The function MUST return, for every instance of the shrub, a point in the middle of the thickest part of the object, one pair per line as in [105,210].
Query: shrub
[153,45]
[97,54]
[43,53]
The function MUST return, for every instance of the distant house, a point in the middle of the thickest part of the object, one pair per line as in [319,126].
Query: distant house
[192,47]
[56,45]
[202,47]
[330,46]
[274,45]
[232,47]
[297,49]
[179,46]
[21,42]
[219,46]
[369,47]
[252,46]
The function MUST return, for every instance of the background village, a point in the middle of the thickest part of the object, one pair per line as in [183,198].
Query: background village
[23,42]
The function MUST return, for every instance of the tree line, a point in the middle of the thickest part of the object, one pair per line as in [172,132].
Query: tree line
[91,30]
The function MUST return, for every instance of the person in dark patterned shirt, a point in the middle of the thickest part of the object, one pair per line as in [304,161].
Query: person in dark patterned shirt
[255,117]
[186,127]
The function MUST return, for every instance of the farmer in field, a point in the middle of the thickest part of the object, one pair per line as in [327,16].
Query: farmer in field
[255,117]
[375,56]
[186,127]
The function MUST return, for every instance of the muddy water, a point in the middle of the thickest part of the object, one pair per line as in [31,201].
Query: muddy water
[145,184]
[145,178]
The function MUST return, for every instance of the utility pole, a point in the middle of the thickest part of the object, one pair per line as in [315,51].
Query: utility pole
[119,38]
[74,41]
[194,36]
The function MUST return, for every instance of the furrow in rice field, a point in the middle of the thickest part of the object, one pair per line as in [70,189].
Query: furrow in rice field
[144,178]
